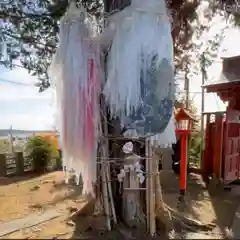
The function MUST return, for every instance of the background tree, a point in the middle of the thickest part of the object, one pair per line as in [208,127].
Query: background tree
[41,152]
[30,28]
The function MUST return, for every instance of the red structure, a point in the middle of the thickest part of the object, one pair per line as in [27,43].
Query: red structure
[221,157]
[183,129]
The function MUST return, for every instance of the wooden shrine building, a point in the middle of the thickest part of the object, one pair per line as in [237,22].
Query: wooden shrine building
[221,156]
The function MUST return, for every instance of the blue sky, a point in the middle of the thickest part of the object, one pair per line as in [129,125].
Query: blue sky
[21,105]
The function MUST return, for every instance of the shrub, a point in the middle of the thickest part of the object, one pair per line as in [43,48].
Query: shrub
[40,151]
[195,149]
[59,160]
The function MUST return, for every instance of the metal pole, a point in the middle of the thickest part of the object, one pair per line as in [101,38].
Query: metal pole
[186,85]
[187,107]
[10,140]
[203,70]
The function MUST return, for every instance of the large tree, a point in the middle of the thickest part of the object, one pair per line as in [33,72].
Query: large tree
[30,28]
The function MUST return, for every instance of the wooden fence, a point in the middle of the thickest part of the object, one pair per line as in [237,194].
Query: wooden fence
[16,164]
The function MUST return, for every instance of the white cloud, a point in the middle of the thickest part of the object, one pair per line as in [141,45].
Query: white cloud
[21,104]
[230,46]
[19,75]
[27,121]
[10,91]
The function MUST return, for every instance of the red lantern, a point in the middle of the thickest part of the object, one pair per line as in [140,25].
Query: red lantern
[184,124]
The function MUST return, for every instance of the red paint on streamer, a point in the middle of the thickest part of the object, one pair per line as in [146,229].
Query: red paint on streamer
[89,96]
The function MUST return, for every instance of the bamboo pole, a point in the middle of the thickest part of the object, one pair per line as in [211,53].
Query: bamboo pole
[110,193]
[107,166]
[98,206]
[147,185]
[203,71]
[105,192]
[104,160]
[109,187]
[152,222]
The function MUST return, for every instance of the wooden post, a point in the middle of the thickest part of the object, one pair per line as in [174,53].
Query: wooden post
[150,196]
[206,159]
[221,148]
[217,151]
[147,186]
[129,199]
[2,165]
[19,163]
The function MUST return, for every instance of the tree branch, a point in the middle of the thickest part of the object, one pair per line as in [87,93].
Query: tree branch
[28,40]
[5,14]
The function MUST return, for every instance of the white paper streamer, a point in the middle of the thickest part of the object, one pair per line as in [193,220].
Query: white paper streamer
[128,147]
[141,31]
[163,140]
[75,73]
[136,168]
[167,138]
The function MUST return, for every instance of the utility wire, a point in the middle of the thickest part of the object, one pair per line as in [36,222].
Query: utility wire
[17,83]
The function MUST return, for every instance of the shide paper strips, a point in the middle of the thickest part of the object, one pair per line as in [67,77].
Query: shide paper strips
[75,73]
[140,86]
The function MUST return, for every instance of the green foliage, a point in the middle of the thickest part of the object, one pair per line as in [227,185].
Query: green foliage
[59,161]
[195,149]
[4,146]
[31,29]
[182,102]
[40,151]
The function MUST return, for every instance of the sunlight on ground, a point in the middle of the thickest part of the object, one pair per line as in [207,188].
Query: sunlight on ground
[39,194]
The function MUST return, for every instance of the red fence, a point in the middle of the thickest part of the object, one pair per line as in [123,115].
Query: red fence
[232,147]
[222,146]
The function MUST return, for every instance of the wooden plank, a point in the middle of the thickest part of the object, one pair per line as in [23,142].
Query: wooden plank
[2,165]
[206,163]
[9,166]
[10,162]
[218,146]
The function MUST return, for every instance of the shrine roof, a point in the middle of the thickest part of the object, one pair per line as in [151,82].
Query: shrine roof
[230,73]
[183,113]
